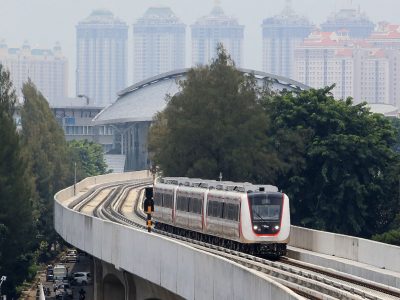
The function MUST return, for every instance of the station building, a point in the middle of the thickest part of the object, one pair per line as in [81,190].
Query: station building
[130,116]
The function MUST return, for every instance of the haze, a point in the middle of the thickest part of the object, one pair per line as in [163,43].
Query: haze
[43,22]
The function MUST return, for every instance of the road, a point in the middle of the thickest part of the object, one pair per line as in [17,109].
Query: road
[85,264]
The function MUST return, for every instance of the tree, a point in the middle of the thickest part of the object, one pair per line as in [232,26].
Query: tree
[89,156]
[48,151]
[17,192]
[214,124]
[339,171]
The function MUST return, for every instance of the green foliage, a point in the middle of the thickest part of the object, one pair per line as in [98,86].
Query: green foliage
[89,157]
[17,193]
[337,161]
[45,144]
[340,167]
[215,124]
[390,237]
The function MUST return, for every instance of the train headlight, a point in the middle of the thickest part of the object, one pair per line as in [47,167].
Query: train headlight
[276,227]
[255,227]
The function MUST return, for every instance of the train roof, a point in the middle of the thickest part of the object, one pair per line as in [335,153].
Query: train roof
[242,187]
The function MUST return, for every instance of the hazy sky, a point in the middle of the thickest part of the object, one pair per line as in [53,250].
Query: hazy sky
[43,22]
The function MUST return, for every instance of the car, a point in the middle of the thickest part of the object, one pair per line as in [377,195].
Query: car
[49,275]
[71,258]
[72,252]
[82,278]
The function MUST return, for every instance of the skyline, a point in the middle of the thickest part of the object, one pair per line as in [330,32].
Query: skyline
[63,17]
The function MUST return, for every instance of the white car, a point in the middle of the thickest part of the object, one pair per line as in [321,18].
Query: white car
[82,278]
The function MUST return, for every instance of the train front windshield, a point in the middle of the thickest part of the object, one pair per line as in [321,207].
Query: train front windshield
[265,212]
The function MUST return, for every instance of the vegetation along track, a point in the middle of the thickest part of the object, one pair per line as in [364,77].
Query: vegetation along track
[309,281]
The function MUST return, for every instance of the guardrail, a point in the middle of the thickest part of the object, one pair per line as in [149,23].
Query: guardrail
[181,269]
[357,249]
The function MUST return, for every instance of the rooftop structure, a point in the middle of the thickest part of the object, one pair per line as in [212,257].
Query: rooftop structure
[357,23]
[101,57]
[133,112]
[75,117]
[386,36]
[215,28]
[281,35]
[159,43]
[47,68]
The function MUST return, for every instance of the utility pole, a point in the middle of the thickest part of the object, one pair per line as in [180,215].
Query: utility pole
[74,178]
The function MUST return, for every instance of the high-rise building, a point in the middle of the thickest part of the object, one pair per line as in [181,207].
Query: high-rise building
[323,60]
[101,57]
[47,68]
[213,29]
[281,35]
[386,36]
[158,43]
[357,68]
[357,23]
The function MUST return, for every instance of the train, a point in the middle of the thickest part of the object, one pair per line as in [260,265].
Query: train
[250,218]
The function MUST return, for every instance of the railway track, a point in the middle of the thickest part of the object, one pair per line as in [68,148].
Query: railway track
[309,281]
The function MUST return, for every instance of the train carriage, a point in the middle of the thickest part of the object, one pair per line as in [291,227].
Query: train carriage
[241,216]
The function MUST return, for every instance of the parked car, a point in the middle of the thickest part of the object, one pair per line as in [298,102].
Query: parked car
[49,275]
[82,278]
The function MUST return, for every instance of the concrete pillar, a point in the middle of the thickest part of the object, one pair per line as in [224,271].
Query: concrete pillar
[130,287]
[98,279]
[113,288]
[116,284]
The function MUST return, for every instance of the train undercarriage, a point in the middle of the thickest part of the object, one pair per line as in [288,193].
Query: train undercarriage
[265,250]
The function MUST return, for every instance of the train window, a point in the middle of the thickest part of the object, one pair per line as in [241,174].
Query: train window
[157,199]
[266,207]
[167,201]
[179,203]
[195,206]
[188,200]
[231,211]
[215,209]
[209,208]
[182,203]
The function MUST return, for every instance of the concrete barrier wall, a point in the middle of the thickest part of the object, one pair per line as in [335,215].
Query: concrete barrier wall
[357,249]
[181,269]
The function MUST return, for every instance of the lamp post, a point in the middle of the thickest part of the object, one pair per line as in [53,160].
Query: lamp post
[74,178]
[2,279]
[84,96]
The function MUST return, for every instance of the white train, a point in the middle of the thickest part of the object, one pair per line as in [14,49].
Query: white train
[241,216]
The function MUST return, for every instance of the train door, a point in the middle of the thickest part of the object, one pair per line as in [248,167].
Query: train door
[182,209]
[195,210]
[231,217]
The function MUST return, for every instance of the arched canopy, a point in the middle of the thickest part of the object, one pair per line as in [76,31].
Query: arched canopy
[141,101]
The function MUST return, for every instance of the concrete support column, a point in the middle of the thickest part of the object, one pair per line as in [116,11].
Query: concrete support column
[98,279]
[130,287]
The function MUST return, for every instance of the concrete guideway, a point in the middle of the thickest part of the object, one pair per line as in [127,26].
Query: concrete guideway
[179,268]
[364,258]
[344,285]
